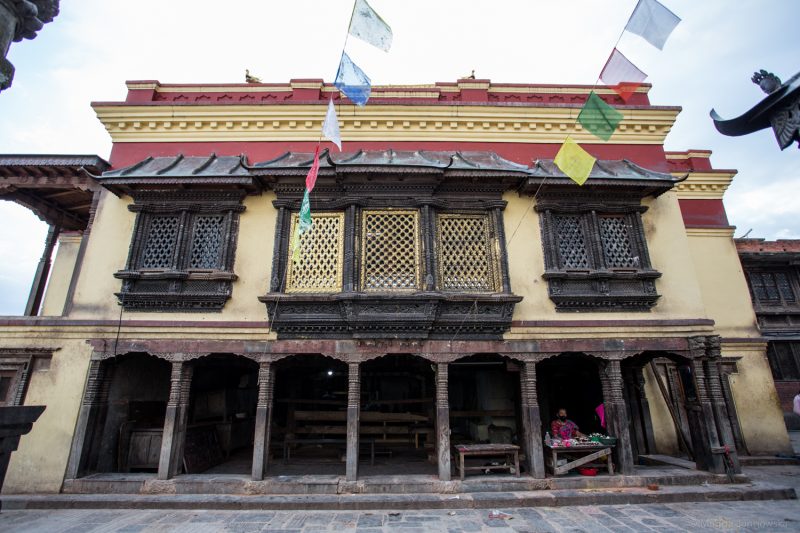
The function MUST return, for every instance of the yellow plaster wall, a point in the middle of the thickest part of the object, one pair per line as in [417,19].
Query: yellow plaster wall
[61,274]
[107,253]
[757,403]
[667,243]
[41,460]
[727,301]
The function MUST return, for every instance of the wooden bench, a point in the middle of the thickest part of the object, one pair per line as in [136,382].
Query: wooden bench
[509,452]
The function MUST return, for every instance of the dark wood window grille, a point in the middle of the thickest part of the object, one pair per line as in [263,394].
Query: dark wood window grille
[597,260]
[784,360]
[467,255]
[182,252]
[390,250]
[771,288]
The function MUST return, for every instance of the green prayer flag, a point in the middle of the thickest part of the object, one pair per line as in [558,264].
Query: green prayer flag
[305,214]
[599,118]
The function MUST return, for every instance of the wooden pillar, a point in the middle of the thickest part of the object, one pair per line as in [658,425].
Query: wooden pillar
[724,430]
[617,414]
[42,271]
[727,368]
[531,420]
[262,439]
[76,271]
[91,417]
[174,435]
[644,410]
[442,421]
[353,416]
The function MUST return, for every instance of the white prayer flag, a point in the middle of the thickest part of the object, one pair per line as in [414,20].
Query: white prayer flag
[368,26]
[330,128]
[653,21]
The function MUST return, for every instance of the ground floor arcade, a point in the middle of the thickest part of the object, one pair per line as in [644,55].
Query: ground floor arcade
[359,409]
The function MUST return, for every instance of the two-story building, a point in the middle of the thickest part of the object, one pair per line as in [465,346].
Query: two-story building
[455,287]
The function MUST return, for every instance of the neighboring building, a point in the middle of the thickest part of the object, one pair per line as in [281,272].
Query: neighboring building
[455,287]
[772,268]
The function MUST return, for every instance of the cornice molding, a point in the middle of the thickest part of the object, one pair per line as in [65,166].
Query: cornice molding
[461,123]
[704,185]
[726,232]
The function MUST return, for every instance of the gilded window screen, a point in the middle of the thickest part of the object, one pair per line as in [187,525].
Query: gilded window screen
[616,242]
[390,250]
[162,237]
[319,265]
[466,253]
[571,242]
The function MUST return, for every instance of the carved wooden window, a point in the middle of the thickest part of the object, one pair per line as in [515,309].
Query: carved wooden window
[318,265]
[466,253]
[616,242]
[784,360]
[390,250]
[771,287]
[182,251]
[596,260]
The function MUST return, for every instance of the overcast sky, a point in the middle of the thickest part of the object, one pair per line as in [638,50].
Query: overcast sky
[93,46]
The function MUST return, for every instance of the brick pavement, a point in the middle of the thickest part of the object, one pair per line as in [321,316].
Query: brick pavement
[772,516]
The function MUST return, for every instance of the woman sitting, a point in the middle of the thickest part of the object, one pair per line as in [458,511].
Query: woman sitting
[563,428]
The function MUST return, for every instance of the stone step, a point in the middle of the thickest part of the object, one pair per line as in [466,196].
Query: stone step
[475,500]
[408,484]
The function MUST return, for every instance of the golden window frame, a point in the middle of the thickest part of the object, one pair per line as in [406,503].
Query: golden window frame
[417,244]
[491,253]
[310,243]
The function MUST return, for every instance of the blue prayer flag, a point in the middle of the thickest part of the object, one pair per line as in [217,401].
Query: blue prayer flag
[352,81]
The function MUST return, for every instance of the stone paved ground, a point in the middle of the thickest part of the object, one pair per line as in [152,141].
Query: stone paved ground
[769,516]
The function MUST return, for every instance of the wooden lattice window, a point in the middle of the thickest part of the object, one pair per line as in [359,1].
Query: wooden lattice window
[771,288]
[182,251]
[318,264]
[207,242]
[390,250]
[160,242]
[616,242]
[466,253]
[596,260]
[572,252]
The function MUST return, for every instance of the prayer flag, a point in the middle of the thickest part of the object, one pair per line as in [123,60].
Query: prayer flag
[622,75]
[368,26]
[574,161]
[352,81]
[304,224]
[652,21]
[311,177]
[296,245]
[330,128]
[598,117]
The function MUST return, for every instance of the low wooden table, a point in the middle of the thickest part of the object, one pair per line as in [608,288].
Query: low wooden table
[509,451]
[590,452]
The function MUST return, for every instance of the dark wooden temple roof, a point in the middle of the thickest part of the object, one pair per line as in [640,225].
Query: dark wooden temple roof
[57,188]
[778,110]
[181,171]
[619,173]
[214,171]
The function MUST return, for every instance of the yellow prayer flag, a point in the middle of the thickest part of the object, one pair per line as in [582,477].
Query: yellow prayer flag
[574,161]
[296,245]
